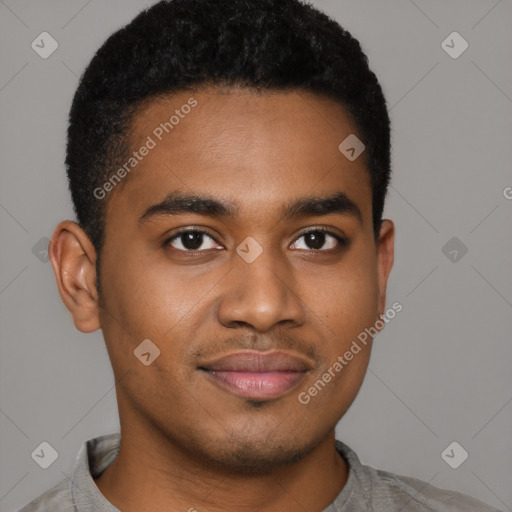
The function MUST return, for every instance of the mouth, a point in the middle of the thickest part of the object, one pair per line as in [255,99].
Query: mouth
[257,375]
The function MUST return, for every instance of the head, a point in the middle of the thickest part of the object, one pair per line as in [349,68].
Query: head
[224,119]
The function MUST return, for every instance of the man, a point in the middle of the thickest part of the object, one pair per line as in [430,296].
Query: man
[228,162]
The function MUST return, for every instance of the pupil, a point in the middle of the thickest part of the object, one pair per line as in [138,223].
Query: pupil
[192,240]
[315,239]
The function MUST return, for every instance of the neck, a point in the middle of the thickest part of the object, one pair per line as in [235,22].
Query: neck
[151,466]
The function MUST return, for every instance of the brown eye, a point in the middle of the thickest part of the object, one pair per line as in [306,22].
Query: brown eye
[320,240]
[191,240]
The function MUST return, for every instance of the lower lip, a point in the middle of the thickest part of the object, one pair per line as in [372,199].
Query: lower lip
[256,385]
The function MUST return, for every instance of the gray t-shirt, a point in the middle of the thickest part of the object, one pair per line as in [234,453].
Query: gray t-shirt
[366,490]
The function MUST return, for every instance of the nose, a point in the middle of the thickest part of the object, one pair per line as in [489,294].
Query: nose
[260,294]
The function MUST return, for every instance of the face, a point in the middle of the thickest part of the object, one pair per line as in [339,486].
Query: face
[242,246]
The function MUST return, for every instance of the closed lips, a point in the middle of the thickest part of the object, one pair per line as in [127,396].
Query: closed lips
[258,362]
[257,375]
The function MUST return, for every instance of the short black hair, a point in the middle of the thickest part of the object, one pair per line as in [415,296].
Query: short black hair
[179,45]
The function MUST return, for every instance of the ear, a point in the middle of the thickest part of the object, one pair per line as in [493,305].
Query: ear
[385,258]
[73,259]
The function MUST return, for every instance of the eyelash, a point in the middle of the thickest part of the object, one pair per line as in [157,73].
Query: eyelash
[342,242]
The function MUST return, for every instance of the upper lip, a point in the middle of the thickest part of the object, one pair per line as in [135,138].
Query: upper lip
[255,361]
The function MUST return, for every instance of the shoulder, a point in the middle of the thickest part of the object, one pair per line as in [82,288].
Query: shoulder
[79,492]
[381,490]
[56,499]
[389,486]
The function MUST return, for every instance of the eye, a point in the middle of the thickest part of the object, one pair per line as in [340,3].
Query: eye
[191,240]
[195,240]
[317,238]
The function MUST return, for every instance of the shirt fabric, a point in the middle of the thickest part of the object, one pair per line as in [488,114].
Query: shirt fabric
[366,489]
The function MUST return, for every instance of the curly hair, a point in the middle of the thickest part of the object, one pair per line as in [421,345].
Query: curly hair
[177,45]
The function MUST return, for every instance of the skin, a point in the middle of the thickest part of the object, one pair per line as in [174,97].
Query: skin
[186,442]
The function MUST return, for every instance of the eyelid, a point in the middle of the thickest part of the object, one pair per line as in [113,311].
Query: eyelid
[327,231]
[342,240]
[188,229]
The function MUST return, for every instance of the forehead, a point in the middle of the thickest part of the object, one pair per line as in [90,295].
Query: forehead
[247,147]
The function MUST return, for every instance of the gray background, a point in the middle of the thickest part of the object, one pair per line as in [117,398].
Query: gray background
[440,371]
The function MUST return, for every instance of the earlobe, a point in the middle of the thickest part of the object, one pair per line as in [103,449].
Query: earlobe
[73,259]
[386,251]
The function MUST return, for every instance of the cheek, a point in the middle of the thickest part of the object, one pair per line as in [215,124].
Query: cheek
[345,296]
[346,305]
[146,296]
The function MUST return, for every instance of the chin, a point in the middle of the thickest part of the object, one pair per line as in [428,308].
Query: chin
[256,456]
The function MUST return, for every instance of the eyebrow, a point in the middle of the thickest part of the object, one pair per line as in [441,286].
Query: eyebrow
[176,203]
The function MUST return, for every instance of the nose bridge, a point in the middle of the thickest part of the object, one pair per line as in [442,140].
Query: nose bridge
[261,289]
